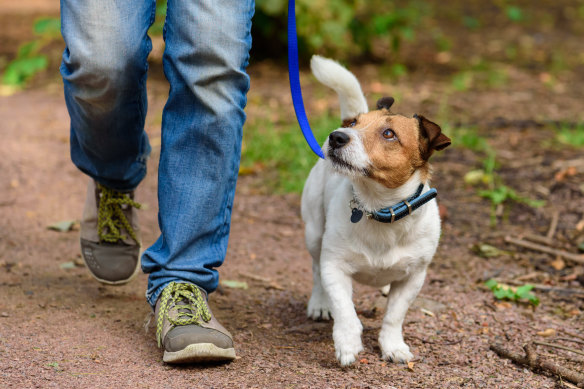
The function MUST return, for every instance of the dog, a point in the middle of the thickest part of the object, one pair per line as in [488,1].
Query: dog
[375,160]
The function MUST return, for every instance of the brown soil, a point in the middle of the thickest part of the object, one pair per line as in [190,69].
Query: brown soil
[60,328]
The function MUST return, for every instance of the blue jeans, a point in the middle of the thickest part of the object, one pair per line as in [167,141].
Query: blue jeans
[104,73]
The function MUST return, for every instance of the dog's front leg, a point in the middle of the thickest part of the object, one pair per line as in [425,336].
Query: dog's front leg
[347,328]
[401,295]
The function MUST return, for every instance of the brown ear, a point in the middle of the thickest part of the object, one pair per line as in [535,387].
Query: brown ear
[385,102]
[433,133]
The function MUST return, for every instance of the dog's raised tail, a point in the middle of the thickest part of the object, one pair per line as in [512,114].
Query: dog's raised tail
[342,81]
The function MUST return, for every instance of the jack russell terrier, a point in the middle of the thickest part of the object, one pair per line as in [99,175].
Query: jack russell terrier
[374,221]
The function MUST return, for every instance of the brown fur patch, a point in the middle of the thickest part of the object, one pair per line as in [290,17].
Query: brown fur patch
[393,162]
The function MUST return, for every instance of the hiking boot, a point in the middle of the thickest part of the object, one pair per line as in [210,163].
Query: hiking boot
[186,328]
[110,237]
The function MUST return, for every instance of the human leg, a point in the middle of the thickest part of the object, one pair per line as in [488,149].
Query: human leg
[207,50]
[104,73]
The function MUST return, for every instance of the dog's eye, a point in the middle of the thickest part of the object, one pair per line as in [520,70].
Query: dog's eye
[389,134]
[349,123]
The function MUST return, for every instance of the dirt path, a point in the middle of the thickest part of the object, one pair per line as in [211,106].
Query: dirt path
[60,328]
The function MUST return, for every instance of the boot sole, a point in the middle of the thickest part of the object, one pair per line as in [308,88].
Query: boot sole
[200,352]
[119,282]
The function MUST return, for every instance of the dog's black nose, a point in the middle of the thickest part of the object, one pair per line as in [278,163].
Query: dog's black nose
[338,139]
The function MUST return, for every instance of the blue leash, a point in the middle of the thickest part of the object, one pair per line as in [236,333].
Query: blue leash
[293,74]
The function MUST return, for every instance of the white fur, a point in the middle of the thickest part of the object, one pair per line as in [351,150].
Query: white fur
[342,81]
[370,252]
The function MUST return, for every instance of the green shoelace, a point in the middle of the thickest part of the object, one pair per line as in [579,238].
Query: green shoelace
[191,310]
[110,217]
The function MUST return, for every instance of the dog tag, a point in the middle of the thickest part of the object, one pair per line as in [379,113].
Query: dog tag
[356,215]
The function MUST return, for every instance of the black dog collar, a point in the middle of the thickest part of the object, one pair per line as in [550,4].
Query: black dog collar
[395,212]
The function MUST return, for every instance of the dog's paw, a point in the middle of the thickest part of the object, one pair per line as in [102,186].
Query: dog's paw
[397,353]
[346,358]
[385,290]
[318,308]
[347,353]
[347,342]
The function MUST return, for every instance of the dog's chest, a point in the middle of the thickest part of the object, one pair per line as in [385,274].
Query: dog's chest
[380,258]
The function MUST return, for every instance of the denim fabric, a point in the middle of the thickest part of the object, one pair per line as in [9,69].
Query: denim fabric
[104,71]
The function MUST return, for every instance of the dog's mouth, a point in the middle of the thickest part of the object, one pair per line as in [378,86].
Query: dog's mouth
[342,166]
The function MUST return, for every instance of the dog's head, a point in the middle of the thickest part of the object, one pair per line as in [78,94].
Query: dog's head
[386,147]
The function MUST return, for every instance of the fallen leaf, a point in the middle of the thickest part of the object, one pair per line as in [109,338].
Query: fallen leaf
[62,226]
[581,247]
[234,284]
[558,263]
[68,265]
[487,251]
[474,177]
[14,183]
[411,366]
[364,361]
[562,174]
[547,333]
[427,312]
[8,90]
[580,225]
[501,305]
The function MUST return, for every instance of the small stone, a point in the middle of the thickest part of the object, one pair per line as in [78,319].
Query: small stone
[4,314]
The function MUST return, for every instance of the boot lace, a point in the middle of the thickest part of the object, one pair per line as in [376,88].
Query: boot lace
[111,218]
[187,301]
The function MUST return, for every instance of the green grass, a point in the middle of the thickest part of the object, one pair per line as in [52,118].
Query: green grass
[571,135]
[280,153]
[30,59]
[466,137]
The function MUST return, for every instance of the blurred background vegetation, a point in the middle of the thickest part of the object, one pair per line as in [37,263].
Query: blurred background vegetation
[398,33]
[467,46]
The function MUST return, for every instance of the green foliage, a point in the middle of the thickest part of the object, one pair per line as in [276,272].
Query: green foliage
[471,22]
[342,28]
[47,27]
[467,137]
[159,19]
[506,292]
[514,13]
[497,192]
[281,152]
[482,74]
[29,59]
[572,135]
[502,193]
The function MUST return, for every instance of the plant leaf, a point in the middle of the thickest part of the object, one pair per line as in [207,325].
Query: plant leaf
[234,284]
[62,226]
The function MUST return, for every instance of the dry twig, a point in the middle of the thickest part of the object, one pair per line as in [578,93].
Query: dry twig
[570,340]
[535,363]
[558,346]
[538,239]
[573,335]
[544,249]
[553,225]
